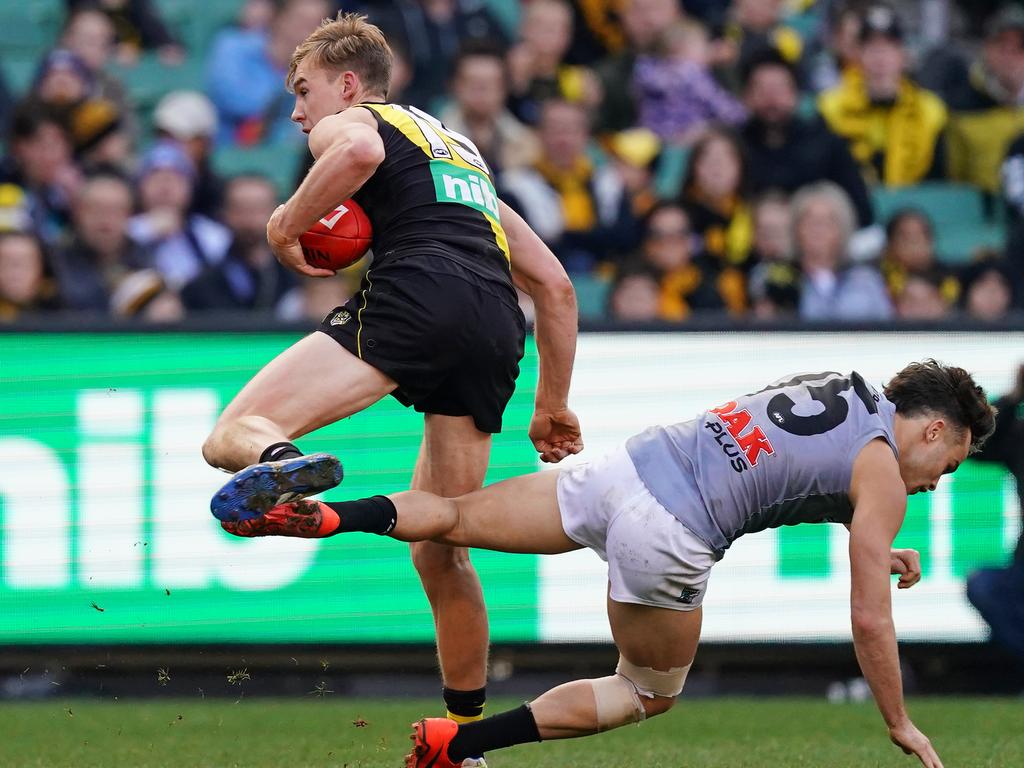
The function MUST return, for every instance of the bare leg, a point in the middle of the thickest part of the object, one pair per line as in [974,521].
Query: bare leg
[648,637]
[314,382]
[516,515]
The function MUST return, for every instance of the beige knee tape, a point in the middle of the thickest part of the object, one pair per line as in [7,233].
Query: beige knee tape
[617,702]
[650,682]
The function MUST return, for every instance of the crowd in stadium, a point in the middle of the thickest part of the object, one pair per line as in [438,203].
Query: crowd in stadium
[759,159]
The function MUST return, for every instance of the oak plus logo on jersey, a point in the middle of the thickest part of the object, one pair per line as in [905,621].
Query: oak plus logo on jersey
[453,184]
[751,443]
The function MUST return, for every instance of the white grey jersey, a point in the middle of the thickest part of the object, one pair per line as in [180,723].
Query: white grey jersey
[780,456]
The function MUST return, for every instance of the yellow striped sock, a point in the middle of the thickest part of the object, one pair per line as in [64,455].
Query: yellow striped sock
[463,719]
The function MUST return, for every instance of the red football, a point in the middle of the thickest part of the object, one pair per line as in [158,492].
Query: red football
[339,239]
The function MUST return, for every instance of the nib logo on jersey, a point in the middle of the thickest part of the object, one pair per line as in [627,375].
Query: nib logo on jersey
[465,187]
[750,443]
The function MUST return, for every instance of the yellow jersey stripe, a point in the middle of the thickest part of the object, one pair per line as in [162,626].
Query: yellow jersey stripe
[359,316]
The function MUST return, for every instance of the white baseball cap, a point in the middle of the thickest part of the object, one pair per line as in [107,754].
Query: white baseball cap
[186,115]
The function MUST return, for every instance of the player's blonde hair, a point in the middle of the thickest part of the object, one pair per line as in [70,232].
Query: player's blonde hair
[347,42]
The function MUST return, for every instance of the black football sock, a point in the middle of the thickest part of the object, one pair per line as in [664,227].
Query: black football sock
[376,514]
[279,451]
[464,706]
[516,726]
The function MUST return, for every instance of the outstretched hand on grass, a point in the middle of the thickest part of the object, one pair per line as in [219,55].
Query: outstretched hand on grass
[907,737]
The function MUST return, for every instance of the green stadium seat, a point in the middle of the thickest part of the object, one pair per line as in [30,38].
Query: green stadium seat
[150,79]
[279,162]
[19,68]
[195,22]
[29,28]
[591,295]
[956,210]
[671,170]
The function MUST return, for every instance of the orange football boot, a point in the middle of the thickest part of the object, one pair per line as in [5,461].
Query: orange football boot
[303,519]
[430,739]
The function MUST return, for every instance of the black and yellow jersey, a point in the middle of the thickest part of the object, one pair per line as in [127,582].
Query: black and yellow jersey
[433,194]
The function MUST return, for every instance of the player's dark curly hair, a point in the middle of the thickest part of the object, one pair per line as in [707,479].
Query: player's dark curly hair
[931,387]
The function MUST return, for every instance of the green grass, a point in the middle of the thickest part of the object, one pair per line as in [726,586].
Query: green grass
[700,733]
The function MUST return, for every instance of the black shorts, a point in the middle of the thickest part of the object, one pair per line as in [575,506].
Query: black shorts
[450,339]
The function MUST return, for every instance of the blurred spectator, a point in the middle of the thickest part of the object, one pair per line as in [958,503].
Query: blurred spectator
[773,285]
[182,244]
[635,295]
[1013,195]
[714,195]
[832,288]
[988,290]
[479,89]
[893,126]
[317,297]
[15,209]
[249,277]
[988,108]
[430,32]
[189,118]
[245,75]
[756,26]
[642,21]
[143,295]
[580,209]
[676,95]
[634,154]
[99,253]
[786,151]
[62,81]
[597,31]
[24,286]
[839,48]
[536,63]
[138,27]
[256,15]
[910,252]
[89,34]
[688,281]
[40,163]
[998,593]
[713,14]
[921,298]
[100,136]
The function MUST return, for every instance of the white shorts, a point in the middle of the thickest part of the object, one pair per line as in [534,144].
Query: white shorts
[653,559]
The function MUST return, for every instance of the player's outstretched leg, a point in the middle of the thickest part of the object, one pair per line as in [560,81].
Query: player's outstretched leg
[657,645]
[516,515]
[261,487]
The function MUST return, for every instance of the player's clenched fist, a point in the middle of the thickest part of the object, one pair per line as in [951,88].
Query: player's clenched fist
[555,434]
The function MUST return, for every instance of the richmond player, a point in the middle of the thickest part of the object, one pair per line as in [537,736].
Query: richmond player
[436,323]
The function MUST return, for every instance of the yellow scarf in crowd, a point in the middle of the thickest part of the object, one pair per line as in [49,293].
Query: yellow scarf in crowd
[573,188]
[904,133]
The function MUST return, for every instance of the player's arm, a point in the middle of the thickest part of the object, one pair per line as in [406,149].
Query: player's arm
[880,502]
[905,563]
[348,151]
[554,430]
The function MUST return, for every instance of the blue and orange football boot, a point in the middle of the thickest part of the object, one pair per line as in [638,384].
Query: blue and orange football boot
[306,519]
[430,739]
[257,489]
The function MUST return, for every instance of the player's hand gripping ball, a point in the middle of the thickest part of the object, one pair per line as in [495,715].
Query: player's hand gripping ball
[339,239]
